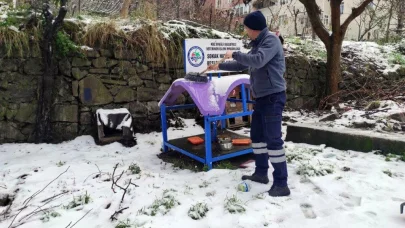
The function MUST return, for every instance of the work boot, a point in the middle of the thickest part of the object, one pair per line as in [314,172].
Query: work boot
[256,178]
[261,169]
[276,191]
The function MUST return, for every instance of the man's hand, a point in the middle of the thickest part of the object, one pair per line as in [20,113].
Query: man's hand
[213,67]
[228,55]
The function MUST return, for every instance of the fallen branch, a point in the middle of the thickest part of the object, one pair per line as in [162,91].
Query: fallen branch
[79,219]
[36,211]
[114,182]
[25,203]
[112,217]
[55,196]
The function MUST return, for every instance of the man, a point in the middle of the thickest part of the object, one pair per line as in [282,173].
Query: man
[266,64]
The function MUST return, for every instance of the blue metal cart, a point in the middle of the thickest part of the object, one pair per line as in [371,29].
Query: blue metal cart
[210,128]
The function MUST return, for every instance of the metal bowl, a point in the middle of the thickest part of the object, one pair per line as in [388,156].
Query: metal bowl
[226,145]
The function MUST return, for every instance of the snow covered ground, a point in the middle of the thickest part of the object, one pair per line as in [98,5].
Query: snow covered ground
[386,117]
[330,188]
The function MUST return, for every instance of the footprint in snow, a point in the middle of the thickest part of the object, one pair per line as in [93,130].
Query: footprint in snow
[350,200]
[308,211]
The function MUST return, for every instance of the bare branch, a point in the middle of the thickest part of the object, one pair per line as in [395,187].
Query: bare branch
[79,219]
[25,203]
[112,217]
[355,13]
[314,11]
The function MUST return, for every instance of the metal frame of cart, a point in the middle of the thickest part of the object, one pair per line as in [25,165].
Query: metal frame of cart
[210,129]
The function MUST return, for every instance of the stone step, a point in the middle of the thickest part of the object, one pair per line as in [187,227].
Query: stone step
[346,139]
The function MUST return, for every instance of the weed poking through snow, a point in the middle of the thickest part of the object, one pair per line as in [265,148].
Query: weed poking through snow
[134,169]
[198,211]
[234,205]
[309,170]
[79,201]
[47,216]
[162,206]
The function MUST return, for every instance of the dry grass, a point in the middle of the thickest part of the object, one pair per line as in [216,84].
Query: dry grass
[13,41]
[146,10]
[147,41]
[150,41]
[103,35]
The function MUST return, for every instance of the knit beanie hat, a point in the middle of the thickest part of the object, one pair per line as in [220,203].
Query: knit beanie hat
[255,21]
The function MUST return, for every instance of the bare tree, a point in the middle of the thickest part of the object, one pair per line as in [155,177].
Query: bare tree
[371,18]
[46,85]
[401,16]
[294,11]
[125,8]
[332,40]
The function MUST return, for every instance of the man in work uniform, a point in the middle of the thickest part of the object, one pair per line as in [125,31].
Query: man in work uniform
[266,64]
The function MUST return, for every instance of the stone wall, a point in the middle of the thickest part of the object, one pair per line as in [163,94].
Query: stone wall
[100,79]
[112,79]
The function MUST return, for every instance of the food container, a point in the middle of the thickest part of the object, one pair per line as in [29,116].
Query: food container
[226,145]
[225,142]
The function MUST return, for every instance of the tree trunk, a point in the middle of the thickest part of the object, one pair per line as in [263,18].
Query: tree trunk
[178,9]
[401,12]
[125,8]
[387,32]
[230,21]
[333,66]
[46,84]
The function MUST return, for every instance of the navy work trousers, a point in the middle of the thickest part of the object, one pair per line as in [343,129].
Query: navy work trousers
[266,137]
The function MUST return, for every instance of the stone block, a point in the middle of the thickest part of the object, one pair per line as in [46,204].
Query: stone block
[163,78]
[140,68]
[79,74]
[153,107]
[92,53]
[85,118]
[10,133]
[345,139]
[26,113]
[111,63]
[65,67]
[125,54]
[148,75]
[134,81]
[106,53]
[80,62]
[65,113]
[308,88]
[113,82]
[148,94]
[9,65]
[75,88]
[125,95]
[34,67]
[164,87]
[138,109]
[93,92]
[64,131]
[150,84]
[99,71]
[100,62]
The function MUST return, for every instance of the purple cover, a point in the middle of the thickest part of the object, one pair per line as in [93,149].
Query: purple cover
[210,97]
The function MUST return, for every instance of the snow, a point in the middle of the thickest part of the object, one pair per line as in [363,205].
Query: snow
[378,117]
[365,196]
[371,51]
[223,83]
[103,114]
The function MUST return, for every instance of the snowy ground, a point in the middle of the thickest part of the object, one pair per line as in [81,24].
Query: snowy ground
[387,117]
[330,188]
